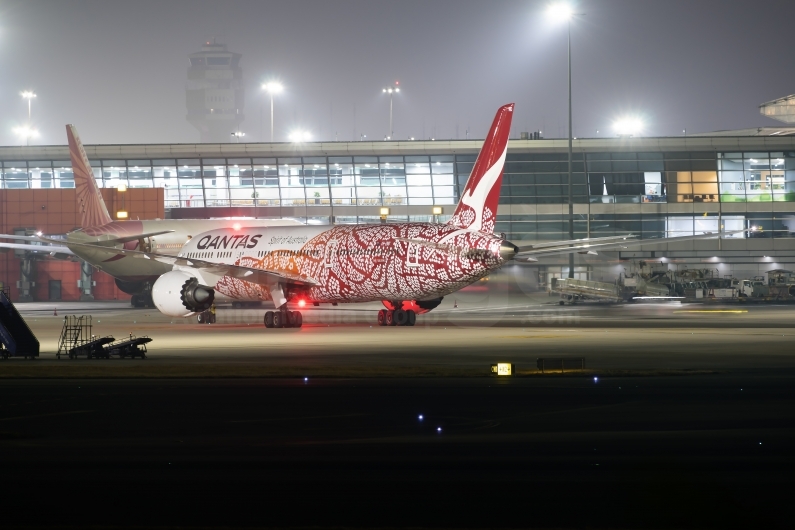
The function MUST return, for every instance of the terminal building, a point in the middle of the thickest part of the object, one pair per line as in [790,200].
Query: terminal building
[651,187]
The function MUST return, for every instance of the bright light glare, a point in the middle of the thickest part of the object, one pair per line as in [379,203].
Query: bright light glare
[420,417]
[628,126]
[273,87]
[26,132]
[27,94]
[301,303]
[236,226]
[560,11]
[300,136]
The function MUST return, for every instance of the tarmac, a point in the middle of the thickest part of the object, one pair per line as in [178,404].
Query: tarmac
[683,418]
[464,336]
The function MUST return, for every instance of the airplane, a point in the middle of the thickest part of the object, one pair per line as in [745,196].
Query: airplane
[166,236]
[409,266]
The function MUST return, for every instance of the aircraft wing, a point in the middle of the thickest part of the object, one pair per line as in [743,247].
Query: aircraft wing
[620,242]
[249,274]
[50,249]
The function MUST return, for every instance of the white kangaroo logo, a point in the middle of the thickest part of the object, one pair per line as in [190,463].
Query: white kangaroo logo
[476,198]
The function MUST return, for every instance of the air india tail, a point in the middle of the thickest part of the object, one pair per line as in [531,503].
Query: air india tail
[477,209]
[93,211]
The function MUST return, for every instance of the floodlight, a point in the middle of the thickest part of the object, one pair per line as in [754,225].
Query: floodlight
[300,136]
[273,87]
[628,126]
[560,11]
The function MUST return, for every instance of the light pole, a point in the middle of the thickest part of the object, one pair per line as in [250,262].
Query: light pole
[28,94]
[562,12]
[272,88]
[391,90]
[27,133]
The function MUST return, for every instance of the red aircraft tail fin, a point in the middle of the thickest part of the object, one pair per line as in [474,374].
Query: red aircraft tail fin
[477,209]
[93,212]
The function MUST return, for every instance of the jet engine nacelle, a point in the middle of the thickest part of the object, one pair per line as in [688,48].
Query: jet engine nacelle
[179,294]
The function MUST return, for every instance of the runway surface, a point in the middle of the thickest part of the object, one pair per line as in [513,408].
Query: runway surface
[685,418]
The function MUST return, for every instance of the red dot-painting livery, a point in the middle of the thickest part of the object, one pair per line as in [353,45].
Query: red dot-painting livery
[378,262]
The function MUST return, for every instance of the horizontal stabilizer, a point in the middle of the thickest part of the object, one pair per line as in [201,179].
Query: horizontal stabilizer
[22,238]
[451,249]
[50,249]
[127,239]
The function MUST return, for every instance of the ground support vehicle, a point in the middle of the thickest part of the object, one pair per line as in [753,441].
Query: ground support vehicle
[131,347]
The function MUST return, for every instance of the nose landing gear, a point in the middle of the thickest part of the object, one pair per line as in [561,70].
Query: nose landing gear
[398,317]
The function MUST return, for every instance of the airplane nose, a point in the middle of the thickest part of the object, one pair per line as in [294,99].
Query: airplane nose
[508,250]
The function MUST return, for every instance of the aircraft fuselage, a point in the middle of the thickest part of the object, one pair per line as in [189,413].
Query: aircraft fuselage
[351,263]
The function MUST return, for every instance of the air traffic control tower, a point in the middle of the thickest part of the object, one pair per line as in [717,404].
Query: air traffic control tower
[214,93]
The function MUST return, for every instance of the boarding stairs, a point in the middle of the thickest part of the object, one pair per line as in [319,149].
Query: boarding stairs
[16,338]
[77,339]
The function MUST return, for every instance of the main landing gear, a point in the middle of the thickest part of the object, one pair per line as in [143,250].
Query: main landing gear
[398,317]
[283,319]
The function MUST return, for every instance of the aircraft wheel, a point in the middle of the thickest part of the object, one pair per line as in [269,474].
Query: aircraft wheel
[390,318]
[269,319]
[297,319]
[411,317]
[401,317]
[279,320]
[382,317]
[200,318]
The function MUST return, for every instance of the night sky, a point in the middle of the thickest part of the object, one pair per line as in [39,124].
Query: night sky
[117,69]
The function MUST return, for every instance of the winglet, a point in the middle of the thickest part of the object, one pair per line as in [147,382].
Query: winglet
[93,211]
[477,209]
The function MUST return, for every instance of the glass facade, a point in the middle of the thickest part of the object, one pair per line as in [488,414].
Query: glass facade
[757,176]
[297,181]
[535,186]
